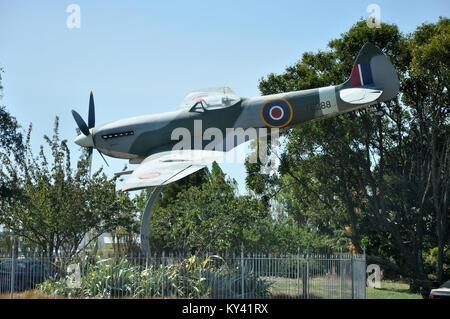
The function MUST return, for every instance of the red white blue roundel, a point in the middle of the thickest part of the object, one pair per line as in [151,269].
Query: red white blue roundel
[276,112]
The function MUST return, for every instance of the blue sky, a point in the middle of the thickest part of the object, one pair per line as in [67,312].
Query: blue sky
[143,57]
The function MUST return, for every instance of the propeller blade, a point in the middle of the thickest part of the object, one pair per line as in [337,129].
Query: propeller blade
[91,118]
[103,157]
[90,150]
[81,123]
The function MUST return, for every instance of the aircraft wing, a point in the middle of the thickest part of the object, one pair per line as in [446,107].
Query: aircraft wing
[169,166]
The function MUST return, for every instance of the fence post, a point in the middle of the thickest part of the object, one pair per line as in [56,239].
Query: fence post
[82,266]
[307,272]
[242,269]
[298,272]
[364,270]
[200,275]
[13,264]
[162,274]
[353,274]
[341,272]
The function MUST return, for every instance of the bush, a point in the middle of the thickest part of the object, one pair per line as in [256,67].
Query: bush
[430,262]
[228,284]
[190,278]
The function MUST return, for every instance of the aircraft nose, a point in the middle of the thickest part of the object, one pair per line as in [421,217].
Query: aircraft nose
[85,141]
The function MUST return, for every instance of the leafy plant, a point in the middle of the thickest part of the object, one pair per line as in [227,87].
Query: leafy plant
[190,278]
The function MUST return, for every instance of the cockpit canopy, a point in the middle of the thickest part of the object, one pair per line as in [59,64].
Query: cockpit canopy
[213,98]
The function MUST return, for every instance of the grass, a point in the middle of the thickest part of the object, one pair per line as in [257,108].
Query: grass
[391,290]
[329,288]
[320,288]
[30,294]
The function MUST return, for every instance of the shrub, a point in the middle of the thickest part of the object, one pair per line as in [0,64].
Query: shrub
[430,261]
[190,278]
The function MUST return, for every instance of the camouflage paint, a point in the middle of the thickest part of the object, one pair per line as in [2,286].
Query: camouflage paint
[152,133]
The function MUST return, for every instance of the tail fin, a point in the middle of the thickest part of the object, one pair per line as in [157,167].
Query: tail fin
[373,70]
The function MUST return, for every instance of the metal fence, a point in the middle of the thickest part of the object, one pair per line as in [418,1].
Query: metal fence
[221,276]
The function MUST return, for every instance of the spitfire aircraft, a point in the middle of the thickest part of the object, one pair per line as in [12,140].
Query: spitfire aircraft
[148,140]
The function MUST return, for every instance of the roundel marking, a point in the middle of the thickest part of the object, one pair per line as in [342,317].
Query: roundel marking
[276,112]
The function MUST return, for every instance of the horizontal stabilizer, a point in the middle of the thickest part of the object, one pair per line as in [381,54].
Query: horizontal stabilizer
[360,95]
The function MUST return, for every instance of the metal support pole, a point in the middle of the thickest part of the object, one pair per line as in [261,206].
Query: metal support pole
[145,236]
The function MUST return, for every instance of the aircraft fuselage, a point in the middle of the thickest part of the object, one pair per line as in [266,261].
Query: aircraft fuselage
[136,138]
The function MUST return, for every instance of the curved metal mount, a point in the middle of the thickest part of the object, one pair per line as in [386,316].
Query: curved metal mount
[145,235]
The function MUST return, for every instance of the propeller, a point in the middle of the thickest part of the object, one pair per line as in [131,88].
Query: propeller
[81,123]
[85,128]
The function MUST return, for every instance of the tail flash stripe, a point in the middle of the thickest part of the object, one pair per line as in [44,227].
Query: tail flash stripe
[354,76]
[361,75]
[366,73]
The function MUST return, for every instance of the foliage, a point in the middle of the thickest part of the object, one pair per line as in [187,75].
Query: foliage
[59,205]
[211,217]
[10,139]
[206,217]
[381,181]
[430,262]
[190,278]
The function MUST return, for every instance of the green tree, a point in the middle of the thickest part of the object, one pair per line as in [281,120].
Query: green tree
[11,148]
[367,176]
[204,217]
[10,145]
[60,205]
[426,91]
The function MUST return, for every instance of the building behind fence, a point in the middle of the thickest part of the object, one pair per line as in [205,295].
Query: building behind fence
[307,276]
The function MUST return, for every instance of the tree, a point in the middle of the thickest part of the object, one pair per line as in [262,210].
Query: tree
[11,147]
[426,90]
[59,206]
[10,139]
[204,217]
[371,177]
